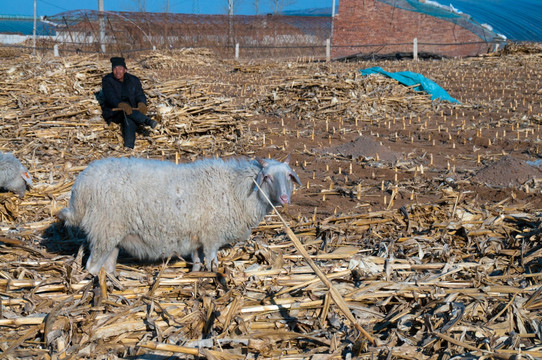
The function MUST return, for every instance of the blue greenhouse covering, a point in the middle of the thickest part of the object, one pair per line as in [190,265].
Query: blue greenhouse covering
[23,25]
[429,8]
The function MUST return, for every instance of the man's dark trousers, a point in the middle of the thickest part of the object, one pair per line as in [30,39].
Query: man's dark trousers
[129,125]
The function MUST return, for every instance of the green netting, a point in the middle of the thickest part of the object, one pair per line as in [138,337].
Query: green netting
[462,20]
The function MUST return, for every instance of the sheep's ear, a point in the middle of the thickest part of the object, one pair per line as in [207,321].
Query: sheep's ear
[295,178]
[259,180]
[287,161]
[262,162]
[26,177]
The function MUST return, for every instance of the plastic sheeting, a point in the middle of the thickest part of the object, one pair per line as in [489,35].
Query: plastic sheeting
[519,20]
[462,20]
[410,78]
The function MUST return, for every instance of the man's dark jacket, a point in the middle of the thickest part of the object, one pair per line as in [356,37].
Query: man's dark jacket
[115,92]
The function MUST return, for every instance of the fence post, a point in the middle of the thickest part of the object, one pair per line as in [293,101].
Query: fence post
[101,24]
[55,48]
[415,49]
[236,51]
[328,50]
[34,30]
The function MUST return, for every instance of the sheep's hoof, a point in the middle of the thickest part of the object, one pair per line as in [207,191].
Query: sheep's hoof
[214,266]
[196,266]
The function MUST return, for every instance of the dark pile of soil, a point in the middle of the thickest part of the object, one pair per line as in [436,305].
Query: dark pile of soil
[363,147]
[524,48]
[507,172]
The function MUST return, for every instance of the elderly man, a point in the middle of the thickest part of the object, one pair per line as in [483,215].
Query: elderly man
[124,101]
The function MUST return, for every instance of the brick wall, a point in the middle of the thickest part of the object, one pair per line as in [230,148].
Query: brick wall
[369,26]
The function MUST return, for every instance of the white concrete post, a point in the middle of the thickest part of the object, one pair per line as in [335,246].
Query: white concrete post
[101,22]
[328,50]
[34,29]
[415,49]
[237,51]
[55,49]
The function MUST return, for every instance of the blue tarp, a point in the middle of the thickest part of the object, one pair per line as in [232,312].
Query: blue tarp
[410,78]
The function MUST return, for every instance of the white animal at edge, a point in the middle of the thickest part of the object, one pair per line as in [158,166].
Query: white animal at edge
[13,175]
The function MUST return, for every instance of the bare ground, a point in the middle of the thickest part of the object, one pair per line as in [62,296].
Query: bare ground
[427,213]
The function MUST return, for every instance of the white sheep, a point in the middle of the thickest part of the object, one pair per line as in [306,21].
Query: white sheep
[155,209]
[13,175]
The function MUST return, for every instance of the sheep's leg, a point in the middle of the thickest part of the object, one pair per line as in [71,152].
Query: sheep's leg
[211,259]
[196,260]
[111,262]
[93,265]
[106,258]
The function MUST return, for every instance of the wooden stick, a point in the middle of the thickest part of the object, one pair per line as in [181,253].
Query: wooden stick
[169,347]
[337,298]
[459,343]
[211,354]
[30,333]
[119,109]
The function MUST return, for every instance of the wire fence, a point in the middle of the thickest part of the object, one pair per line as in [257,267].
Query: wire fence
[242,37]
[308,52]
[124,32]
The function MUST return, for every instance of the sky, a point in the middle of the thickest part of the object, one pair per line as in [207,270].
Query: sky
[243,7]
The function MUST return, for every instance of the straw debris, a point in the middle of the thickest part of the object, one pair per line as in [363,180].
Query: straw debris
[410,249]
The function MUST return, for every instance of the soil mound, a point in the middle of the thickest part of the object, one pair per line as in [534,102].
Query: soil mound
[522,48]
[507,172]
[364,147]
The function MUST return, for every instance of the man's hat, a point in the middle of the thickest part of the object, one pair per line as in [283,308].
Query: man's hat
[117,61]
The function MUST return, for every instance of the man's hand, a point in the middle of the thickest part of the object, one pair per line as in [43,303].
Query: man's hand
[142,108]
[125,107]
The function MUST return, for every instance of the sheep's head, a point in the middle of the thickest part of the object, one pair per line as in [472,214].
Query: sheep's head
[276,180]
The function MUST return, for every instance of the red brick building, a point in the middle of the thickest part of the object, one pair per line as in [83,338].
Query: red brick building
[390,26]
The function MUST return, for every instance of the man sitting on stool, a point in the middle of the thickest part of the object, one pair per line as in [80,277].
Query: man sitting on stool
[124,101]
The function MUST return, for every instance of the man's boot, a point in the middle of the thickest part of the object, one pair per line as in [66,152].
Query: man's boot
[151,123]
[141,119]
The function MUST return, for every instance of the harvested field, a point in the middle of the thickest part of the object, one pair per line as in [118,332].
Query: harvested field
[421,219]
